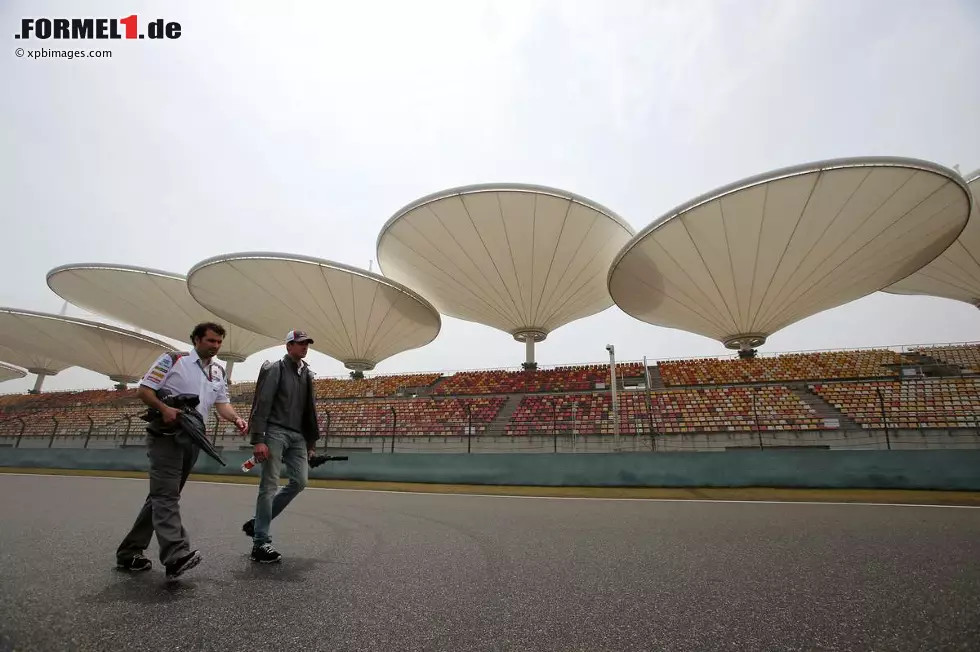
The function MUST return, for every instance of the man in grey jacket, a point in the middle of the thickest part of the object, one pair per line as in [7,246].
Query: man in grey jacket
[284,428]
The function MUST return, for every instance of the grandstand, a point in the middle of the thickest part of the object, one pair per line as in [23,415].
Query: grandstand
[501,381]
[966,356]
[930,403]
[790,367]
[368,387]
[736,265]
[826,399]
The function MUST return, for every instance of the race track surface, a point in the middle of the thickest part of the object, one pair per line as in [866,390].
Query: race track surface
[379,571]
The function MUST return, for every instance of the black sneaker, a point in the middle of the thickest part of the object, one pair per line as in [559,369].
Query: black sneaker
[249,528]
[136,564]
[182,565]
[265,554]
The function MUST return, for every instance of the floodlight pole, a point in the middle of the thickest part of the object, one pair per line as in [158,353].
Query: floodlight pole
[615,405]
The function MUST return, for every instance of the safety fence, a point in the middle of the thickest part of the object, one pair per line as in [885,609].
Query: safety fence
[556,426]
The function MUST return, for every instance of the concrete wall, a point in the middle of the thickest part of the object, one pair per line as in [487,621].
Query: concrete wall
[828,439]
[899,469]
[933,438]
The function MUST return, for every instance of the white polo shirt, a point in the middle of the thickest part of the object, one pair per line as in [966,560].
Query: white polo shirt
[189,375]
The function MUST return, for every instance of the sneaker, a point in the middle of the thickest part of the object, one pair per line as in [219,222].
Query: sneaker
[182,565]
[249,528]
[137,563]
[265,554]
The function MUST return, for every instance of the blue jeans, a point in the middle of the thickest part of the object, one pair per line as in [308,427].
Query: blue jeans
[284,446]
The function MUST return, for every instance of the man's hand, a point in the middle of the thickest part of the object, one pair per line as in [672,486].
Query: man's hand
[310,453]
[261,452]
[169,414]
[242,425]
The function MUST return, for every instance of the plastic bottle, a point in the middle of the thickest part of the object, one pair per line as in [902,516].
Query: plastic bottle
[248,464]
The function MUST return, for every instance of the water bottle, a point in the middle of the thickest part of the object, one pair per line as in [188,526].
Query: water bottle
[248,464]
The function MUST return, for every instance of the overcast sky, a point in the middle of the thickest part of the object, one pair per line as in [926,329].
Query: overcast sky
[303,129]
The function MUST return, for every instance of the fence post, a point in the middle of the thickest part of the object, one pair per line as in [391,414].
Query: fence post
[884,418]
[554,422]
[129,426]
[53,432]
[574,433]
[91,426]
[653,441]
[20,435]
[469,428]
[394,426]
[755,416]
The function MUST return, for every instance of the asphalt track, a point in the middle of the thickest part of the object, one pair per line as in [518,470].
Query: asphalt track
[373,570]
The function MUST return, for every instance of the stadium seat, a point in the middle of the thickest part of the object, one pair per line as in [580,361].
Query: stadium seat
[407,417]
[379,386]
[558,379]
[913,404]
[966,356]
[781,368]
[728,409]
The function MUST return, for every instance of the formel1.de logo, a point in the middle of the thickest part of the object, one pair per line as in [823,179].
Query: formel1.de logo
[96,28]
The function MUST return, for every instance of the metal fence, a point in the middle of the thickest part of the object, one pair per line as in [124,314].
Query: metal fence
[560,435]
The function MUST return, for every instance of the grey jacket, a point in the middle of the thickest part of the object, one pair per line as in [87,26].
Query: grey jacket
[266,386]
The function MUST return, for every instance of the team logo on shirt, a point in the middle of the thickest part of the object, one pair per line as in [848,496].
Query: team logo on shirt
[160,369]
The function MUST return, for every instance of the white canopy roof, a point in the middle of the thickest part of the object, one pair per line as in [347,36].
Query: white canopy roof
[33,361]
[149,299]
[10,373]
[353,315]
[121,355]
[744,261]
[956,273]
[519,258]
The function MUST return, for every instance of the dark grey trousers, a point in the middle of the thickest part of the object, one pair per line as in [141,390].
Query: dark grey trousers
[170,465]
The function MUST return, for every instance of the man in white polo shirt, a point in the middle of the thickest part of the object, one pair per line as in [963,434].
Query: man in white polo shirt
[194,372]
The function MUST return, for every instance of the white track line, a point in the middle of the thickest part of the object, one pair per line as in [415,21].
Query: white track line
[479,495]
